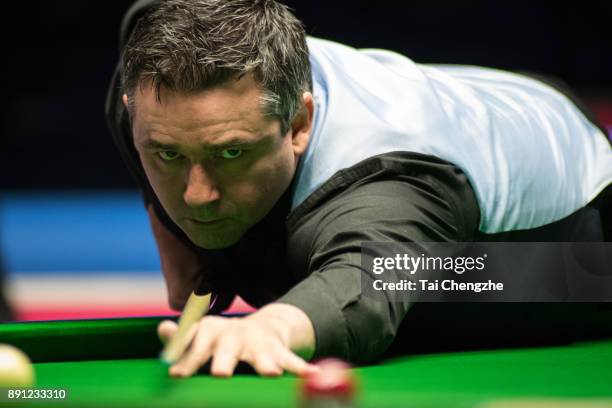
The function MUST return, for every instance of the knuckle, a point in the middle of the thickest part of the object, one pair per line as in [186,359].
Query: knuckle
[211,320]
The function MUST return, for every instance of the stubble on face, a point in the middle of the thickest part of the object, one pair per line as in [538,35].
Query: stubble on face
[214,200]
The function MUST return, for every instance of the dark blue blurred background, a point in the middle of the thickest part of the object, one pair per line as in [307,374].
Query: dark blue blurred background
[58,56]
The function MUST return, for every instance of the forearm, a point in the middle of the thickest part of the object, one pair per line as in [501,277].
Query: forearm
[347,322]
[181,267]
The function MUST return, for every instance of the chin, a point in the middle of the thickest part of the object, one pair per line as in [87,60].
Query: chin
[216,242]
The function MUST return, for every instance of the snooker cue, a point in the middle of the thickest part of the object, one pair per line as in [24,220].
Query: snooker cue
[196,307]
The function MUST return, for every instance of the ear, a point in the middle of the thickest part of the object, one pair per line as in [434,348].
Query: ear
[124,98]
[301,126]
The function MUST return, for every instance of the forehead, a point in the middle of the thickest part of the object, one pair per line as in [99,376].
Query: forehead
[236,103]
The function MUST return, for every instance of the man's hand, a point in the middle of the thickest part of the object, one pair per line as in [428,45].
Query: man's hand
[269,340]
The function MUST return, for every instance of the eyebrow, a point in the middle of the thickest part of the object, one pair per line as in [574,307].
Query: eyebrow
[154,144]
[231,143]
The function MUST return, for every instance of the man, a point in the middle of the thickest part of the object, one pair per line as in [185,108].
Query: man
[266,159]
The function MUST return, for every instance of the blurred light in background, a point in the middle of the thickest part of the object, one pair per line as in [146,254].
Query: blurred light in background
[81,254]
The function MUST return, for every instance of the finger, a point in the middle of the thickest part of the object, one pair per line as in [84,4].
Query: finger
[226,355]
[294,364]
[198,354]
[266,365]
[166,329]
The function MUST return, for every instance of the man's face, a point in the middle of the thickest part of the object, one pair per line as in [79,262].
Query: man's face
[215,162]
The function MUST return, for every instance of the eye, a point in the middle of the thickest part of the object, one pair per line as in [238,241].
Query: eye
[168,155]
[231,153]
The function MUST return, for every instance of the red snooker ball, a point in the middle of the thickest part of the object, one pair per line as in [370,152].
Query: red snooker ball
[334,379]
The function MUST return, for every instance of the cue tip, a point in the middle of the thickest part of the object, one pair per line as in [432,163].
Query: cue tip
[165,360]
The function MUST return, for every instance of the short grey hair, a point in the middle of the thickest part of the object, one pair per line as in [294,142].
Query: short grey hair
[193,45]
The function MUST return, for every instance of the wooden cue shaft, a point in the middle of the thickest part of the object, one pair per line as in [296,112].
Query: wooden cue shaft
[196,307]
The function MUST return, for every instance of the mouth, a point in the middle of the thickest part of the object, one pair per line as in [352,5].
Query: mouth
[207,223]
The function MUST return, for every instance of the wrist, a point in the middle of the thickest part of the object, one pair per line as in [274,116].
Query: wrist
[295,327]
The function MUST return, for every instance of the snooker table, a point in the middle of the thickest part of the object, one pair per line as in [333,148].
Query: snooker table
[113,362]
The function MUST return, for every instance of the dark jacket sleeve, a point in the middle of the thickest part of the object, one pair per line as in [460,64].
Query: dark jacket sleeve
[432,201]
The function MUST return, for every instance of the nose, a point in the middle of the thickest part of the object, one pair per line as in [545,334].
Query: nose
[201,187]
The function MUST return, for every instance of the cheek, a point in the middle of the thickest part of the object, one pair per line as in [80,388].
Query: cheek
[286,165]
[151,171]
[164,183]
[273,178]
